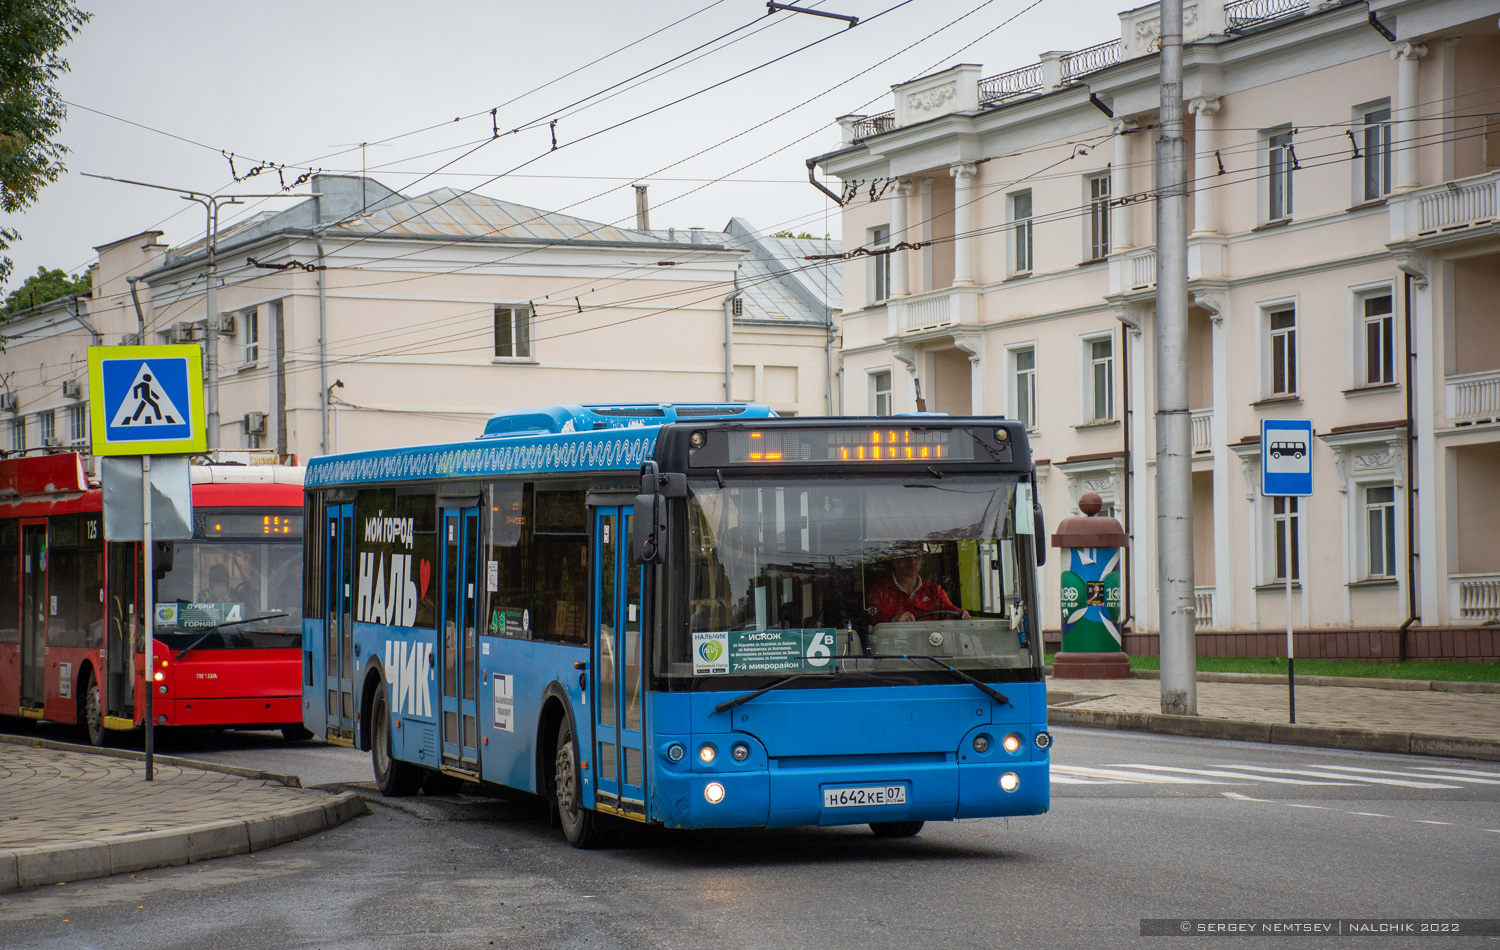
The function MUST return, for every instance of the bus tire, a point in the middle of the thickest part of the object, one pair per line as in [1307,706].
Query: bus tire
[394,778]
[296,733]
[92,713]
[896,829]
[585,829]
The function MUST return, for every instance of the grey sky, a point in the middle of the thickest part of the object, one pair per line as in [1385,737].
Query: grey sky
[299,83]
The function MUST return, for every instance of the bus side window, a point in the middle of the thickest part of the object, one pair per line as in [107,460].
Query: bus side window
[560,526]
[422,510]
[315,543]
[508,567]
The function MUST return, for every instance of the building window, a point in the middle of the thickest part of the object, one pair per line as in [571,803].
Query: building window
[1100,378]
[1380,531]
[880,393]
[18,434]
[252,335]
[1283,351]
[512,332]
[1020,214]
[1098,216]
[1376,332]
[1286,524]
[47,425]
[880,238]
[1023,386]
[1374,133]
[1280,162]
[78,424]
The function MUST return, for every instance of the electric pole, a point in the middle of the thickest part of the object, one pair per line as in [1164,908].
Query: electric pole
[1174,460]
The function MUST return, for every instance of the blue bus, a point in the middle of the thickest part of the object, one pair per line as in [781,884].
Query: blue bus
[693,616]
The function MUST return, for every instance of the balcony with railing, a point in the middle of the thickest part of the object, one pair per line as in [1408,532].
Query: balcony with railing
[932,311]
[1247,14]
[1091,59]
[1473,398]
[1203,431]
[1444,212]
[1017,82]
[1474,598]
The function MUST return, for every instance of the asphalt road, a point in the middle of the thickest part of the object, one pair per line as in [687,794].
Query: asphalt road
[1141,827]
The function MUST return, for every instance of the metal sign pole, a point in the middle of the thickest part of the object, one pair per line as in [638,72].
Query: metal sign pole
[148,584]
[1291,681]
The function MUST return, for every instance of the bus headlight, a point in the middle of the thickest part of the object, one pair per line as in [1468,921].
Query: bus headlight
[1010,781]
[1043,740]
[981,743]
[675,752]
[740,751]
[1012,742]
[713,792]
[160,676]
[707,753]
[162,689]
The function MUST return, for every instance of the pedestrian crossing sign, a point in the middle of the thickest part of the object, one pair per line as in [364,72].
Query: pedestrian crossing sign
[147,400]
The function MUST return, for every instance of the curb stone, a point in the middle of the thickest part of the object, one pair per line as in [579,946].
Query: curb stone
[290,781]
[1364,682]
[1281,733]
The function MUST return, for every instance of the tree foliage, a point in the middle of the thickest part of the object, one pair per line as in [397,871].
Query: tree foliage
[31,112]
[804,236]
[47,285]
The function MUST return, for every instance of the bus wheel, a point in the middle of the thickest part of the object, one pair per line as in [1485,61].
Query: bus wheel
[93,713]
[582,827]
[296,733]
[392,776]
[896,829]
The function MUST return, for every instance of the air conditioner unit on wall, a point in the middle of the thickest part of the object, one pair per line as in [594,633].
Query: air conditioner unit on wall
[180,333]
[52,442]
[255,423]
[226,323]
[7,402]
[71,388]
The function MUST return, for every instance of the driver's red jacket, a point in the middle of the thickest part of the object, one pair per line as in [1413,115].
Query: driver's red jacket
[886,600]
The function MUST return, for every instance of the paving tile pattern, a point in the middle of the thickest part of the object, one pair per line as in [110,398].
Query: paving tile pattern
[1460,715]
[49,797]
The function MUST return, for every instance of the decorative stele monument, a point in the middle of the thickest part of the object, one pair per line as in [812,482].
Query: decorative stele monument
[1092,647]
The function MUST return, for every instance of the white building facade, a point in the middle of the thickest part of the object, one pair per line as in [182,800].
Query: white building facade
[1344,261]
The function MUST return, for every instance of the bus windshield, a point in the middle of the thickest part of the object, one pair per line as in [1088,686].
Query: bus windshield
[240,565]
[850,574]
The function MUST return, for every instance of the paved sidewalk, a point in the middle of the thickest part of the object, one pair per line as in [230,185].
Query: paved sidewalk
[71,812]
[1385,717]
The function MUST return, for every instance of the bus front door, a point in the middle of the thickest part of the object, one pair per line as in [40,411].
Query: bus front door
[619,766]
[33,615]
[457,642]
[338,624]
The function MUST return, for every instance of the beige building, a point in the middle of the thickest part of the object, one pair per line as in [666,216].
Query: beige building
[1344,263]
[437,312]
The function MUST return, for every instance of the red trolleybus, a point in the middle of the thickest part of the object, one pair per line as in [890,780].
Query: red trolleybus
[228,615]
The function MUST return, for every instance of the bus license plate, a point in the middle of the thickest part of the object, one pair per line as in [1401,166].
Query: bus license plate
[864,795]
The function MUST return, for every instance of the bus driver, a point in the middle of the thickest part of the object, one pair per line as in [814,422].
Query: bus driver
[904,596]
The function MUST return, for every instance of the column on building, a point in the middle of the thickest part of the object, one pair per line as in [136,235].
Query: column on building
[973,344]
[900,259]
[1204,168]
[964,199]
[1404,115]
[1120,238]
[1216,302]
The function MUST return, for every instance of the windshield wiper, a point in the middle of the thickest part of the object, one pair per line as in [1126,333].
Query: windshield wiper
[228,623]
[985,688]
[729,704]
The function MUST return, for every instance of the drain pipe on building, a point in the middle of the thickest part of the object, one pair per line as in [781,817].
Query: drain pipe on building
[729,337]
[1411,471]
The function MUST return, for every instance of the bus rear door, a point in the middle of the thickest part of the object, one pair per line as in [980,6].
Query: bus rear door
[619,767]
[457,644]
[338,624]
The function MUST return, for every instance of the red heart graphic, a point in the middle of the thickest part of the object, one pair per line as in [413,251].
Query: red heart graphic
[425,570]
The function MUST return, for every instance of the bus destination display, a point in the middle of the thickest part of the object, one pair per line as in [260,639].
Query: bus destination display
[888,444]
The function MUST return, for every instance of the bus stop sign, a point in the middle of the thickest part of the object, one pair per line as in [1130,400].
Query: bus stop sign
[147,400]
[1286,457]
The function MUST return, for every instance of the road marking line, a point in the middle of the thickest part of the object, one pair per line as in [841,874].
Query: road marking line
[1428,821]
[1223,774]
[1075,780]
[1295,805]
[1132,776]
[1377,781]
[1438,768]
[1495,830]
[1245,798]
[1452,778]
[1369,814]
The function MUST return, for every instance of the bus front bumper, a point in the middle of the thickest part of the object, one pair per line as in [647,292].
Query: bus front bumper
[255,711]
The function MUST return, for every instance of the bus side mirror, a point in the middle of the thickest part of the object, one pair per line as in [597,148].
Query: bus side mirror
[161,558]
[1039,539]
[648,529]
